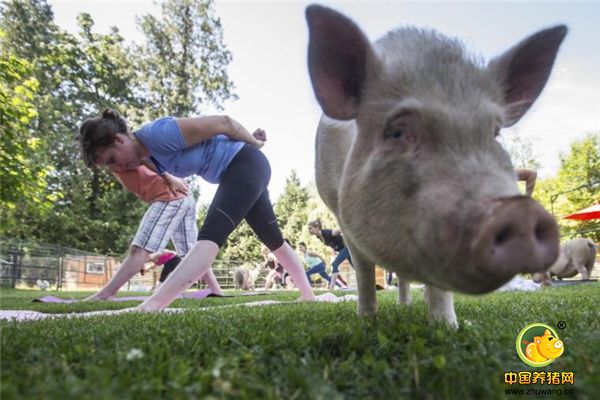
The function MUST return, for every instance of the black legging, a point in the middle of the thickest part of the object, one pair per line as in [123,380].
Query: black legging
[242,193]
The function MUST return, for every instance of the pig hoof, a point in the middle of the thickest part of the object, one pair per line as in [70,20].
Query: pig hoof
[367,311]
[449,320]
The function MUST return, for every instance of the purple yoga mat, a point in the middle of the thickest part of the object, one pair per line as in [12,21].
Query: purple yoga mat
[200,294]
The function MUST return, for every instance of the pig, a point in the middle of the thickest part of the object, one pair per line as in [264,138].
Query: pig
[408,162]
[577,256]
[244,279]
[240,279]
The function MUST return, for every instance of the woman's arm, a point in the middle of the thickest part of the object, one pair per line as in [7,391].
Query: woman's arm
[196,130]
[175,184]
[149,165]
[154,257]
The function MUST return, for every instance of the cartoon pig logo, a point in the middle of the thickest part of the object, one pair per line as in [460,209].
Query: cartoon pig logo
[537,349]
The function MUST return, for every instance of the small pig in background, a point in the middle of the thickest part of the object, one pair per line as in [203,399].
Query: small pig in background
[244,279]
[407,157]
[42,284]
[577,256]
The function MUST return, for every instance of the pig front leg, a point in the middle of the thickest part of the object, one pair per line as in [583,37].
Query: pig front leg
[441,306]
[403,291]
[365,281]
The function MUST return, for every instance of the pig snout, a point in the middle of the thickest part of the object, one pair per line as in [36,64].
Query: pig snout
[517,235]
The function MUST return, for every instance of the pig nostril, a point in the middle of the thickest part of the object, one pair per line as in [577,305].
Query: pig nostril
[503,236]
[541,231]
[544,231]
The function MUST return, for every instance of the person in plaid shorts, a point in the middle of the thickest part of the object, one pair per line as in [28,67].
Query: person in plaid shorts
[171,216]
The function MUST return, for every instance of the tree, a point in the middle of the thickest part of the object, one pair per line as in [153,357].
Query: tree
[184,61]
[291,208]
[23,182]
[77,75]
[576,186]
[26,30]
[182,65]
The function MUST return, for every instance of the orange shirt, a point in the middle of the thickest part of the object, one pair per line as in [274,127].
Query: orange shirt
[147,185]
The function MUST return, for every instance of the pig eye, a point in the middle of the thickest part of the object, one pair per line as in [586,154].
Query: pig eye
[394,133]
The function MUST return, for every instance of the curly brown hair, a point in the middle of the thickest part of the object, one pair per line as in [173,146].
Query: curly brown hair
[97,134]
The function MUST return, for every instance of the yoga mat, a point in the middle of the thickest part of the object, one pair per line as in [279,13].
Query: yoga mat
[29,315]
[199,294]
[53,299]
[572,282]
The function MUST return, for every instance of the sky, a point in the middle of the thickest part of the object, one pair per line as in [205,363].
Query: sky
[269,41]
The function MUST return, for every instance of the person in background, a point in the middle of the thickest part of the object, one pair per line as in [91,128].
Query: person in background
[169,260]
[316,263]
[275,270]
[332,238]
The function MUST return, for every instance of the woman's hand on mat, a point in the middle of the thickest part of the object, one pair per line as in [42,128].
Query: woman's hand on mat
[260,136]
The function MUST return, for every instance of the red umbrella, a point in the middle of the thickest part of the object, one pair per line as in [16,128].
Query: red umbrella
[592,212]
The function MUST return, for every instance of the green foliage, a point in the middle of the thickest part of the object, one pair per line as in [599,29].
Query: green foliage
[576,186]
[242,245]
[78,76]
[294,350]
[183,63]
[67,78]
[291,209]
[23,181]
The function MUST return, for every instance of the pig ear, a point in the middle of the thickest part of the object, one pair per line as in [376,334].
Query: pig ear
[338,52]
[524,70]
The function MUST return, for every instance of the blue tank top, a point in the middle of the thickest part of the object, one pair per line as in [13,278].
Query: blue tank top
[169,153]
[312,261]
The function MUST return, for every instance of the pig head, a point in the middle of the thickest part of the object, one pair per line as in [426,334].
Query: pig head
[407,157]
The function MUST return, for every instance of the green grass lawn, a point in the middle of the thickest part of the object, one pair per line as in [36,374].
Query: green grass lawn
[294,351]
